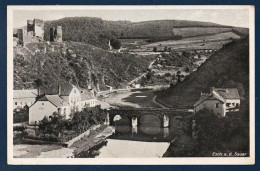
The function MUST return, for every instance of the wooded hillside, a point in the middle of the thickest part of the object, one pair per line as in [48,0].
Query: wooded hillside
[74,62]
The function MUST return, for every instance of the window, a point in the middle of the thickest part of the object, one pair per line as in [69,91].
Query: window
[15,103]
[237,105]
[228,104]
[216,105]
[42,103]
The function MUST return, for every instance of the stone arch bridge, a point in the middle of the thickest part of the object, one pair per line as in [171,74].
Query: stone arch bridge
[135,115]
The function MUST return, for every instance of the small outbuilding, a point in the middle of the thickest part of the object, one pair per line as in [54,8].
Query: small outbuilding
[219,100]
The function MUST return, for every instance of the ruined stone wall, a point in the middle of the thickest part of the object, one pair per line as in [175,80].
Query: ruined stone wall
[56,34]
[52,34]
[30,26]
[59,34]
[38,28]
[24,37]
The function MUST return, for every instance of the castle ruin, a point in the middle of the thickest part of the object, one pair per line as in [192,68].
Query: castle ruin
[56,34]
[33,34]
[36,26]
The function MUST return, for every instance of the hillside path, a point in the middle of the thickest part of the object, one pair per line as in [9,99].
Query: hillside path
[159,104]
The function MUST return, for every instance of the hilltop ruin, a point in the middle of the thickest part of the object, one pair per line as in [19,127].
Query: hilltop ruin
[35,33]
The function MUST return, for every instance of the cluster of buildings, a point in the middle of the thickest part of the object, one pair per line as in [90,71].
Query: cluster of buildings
[35,33]
[219,100]
[63,98]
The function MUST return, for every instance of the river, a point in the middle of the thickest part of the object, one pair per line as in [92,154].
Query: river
[148,139]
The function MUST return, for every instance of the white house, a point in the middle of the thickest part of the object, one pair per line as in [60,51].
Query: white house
[62,98]
[46,106]
[87,99]
[23,98]
[68,92]
[219,100]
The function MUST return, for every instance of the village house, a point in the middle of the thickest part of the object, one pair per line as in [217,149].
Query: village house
[22,98]
[46,106]
[68,92]
[88,99]
[63,98]
[219,100]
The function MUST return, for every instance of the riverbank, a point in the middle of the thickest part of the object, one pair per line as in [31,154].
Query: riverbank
[116,99]
[58,151]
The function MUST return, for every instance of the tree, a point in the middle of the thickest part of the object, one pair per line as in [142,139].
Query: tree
[155,49]
[173,77]
[179,76]
[115,43]
[165,49]
[148,75]
[187,69]
[143,81]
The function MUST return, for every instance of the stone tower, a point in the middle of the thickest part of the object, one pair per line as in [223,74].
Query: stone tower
[30,26]
[56,34]
[24,37]
[59,34]
[38,28]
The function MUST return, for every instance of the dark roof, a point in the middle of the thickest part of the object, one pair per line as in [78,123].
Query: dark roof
[206,97]
[65,89]
[227,93]
[56,100]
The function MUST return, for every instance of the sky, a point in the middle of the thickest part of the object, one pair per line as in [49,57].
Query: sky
[231,17]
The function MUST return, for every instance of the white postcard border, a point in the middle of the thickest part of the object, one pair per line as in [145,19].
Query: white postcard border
[128,161]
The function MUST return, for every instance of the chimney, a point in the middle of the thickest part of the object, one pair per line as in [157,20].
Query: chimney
[59,89]
[38,91]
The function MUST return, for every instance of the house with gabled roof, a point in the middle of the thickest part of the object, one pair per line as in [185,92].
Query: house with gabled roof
[63,98]
[23,98]
[219,100]
[45,106]
[68,92]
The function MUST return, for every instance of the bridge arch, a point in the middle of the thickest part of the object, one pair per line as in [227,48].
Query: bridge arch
[122,123]
[150,124]
[175,122]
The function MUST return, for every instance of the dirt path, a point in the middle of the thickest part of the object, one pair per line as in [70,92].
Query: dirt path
[117,100]
[157,103]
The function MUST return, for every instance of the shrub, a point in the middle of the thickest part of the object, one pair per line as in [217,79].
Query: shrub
[21,115]
[29,133]
[116,44]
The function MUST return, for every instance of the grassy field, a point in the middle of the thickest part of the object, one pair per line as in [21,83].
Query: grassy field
[197,31]
[199,41]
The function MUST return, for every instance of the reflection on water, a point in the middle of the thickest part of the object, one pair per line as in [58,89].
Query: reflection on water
[148,139]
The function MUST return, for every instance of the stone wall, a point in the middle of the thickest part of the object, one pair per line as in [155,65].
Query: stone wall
[38,28]
[56,34]
[24,37]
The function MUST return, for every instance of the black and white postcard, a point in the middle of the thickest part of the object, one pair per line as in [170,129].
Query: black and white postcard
[131,85]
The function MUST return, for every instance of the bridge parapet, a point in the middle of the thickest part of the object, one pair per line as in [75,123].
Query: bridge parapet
[134,114]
